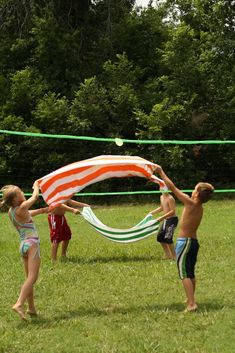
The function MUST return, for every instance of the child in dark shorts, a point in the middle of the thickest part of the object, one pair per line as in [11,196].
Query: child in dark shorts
[165,234]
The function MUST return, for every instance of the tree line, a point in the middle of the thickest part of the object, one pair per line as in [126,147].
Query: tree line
[107,68]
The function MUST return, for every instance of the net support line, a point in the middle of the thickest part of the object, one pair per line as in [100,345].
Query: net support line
[131,192]
[113,140]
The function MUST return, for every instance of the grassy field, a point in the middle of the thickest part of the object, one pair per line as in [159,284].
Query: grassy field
[113,298]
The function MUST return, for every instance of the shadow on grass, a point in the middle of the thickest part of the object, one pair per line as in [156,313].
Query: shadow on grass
[214,306]
[108,259]
[152,309]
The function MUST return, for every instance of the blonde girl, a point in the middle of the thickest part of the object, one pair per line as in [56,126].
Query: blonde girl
[21,217]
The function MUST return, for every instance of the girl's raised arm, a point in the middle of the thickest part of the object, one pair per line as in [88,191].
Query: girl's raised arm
[28,203]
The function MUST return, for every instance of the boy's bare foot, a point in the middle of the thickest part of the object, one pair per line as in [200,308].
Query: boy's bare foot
[191,308]
[19,310]
[166,257]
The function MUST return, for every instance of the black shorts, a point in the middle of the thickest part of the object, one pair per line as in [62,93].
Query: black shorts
[165,234]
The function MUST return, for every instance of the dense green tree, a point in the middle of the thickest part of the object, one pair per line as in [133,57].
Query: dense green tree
[104,68]
[194,98]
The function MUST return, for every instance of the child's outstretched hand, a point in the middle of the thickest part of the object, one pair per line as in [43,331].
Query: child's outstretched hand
[158,169]
[35,185]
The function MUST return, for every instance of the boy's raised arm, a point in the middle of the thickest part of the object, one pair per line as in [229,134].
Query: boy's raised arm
[184,198]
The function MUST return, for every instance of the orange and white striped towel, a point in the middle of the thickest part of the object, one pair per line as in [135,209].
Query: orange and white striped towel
[60,185]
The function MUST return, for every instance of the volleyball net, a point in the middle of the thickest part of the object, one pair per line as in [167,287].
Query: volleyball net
[24,148]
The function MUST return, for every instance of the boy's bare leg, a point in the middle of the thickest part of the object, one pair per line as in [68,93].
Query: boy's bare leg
[189,291]
[65,244]
[54,249]
[171,250]
[166,250]
[194,284]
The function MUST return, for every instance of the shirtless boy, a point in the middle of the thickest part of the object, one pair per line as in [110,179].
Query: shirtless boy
[187,245]
[165,234]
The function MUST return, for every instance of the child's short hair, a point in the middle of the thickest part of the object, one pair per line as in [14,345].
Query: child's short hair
[8,194]
[205,191]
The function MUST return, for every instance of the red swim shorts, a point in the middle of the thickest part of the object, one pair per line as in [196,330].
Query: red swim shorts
[59,229]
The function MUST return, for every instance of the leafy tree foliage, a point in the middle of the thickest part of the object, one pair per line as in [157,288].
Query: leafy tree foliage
[105,68]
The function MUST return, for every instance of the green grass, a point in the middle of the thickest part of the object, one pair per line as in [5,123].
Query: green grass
[113,298]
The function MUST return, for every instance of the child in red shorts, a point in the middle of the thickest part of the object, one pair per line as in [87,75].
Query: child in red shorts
[60,231]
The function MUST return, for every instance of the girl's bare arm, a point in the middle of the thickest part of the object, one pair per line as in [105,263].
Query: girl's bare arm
[25,205]
[38,211]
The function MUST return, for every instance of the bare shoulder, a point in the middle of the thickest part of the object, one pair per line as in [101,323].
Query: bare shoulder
[171,200]
[191,204]
[21,209]
[9,212]
[171,197]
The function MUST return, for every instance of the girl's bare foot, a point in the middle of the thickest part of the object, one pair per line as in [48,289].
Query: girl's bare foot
[19,310]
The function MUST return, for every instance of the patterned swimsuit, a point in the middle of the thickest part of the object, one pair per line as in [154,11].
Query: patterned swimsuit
[28,234]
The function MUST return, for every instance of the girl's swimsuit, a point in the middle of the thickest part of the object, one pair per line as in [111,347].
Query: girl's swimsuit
[28,234]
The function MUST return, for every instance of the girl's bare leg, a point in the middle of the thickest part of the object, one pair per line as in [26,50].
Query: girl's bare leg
[27,288]
[31,307]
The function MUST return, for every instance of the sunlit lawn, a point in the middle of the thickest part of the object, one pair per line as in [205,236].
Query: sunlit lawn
[113,298]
